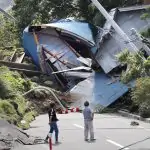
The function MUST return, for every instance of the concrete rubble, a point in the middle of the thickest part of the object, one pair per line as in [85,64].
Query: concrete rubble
[10,135]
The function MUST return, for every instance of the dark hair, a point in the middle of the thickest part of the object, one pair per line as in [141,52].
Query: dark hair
[52,105]
[86,103]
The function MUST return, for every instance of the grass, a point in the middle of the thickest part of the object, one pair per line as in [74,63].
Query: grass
[13,106]
[146,33]
[8,112]
[12,83]
[28,117]
[5,53]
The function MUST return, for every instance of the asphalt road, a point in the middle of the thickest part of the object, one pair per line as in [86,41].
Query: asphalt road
[111,131]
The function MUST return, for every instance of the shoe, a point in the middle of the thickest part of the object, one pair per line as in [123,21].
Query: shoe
[57,143]
[45,141]
[92,139]
[86,140]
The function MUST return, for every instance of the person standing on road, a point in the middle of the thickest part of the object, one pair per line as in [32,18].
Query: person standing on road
[53,122]
[88,122]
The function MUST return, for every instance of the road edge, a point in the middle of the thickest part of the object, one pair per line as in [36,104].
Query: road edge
[133,116]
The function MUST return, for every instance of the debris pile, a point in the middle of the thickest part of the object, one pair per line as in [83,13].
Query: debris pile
[10,135]
[41,97]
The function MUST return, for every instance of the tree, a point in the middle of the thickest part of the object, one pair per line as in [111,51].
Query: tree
[141,96]
[141,91]
[90,13]
[146,15]
[8,33]
[137,65]
[42,11]
[138,69]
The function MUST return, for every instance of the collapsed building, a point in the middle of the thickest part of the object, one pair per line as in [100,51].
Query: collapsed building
[71,50]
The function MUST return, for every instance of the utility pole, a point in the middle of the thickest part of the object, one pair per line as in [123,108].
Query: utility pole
[114,25]
[7,15]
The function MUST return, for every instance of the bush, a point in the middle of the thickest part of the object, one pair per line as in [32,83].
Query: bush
[6,108]
[135,65]
[12,83]
[146,33]
[30,116]
[20,103]
[5,89]
[144,110]
[141,92]
[8,112]
[141,96]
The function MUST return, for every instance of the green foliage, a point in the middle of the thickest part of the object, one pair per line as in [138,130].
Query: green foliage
[39,11]
[6,90]
[8,33]
[141,92]
[141,96]
[90,13]
[144,110]
[21,103]
[15,110]
[12,83]
[146,33]
[137,66]
[147,65]
[8,112]
[6,53]
[146,15]
[6,108]
[30,116]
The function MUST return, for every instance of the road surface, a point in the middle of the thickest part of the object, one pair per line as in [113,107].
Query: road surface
[111,131]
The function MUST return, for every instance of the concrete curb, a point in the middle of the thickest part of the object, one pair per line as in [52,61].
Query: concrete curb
[133,116]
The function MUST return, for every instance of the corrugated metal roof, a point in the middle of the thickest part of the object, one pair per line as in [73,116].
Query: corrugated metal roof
[98,89]
[110,47]
[84,30]
[133,8]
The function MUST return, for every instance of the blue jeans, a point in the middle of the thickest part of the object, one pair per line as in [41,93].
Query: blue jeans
[54,127]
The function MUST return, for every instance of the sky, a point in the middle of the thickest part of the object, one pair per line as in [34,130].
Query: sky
[5,4]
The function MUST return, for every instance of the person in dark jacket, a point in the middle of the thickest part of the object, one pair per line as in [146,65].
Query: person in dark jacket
[53,122]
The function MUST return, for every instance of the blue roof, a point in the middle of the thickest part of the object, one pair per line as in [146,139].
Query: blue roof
[53,44]
[85,30]
[99,89]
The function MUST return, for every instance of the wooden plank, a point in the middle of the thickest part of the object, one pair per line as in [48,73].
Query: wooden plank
[20,59]
[74,69]
[18,65]
[13,56]
[27,72]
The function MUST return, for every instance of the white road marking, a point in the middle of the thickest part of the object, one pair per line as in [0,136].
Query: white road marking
[108,140]
[117,144]
[79,126]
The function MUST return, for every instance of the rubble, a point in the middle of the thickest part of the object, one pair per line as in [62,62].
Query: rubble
[48,83]
[11,135]
[82,56]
